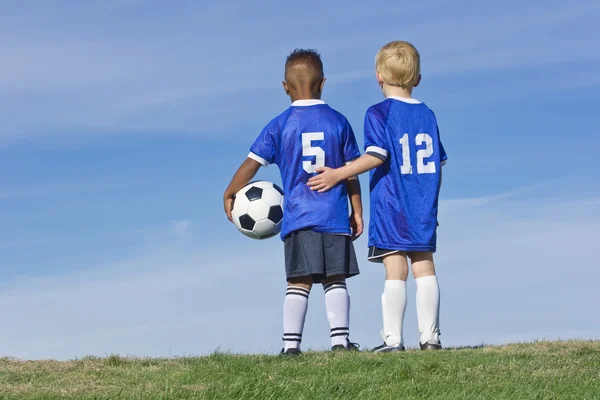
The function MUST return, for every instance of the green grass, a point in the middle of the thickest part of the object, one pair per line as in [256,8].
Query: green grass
[541,370]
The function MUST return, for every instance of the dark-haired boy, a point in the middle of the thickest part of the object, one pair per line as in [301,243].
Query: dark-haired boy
[316,230]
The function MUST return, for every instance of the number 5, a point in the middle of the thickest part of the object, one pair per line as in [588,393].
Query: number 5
[309,150]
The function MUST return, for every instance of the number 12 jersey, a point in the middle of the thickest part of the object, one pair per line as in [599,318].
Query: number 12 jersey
[404,190]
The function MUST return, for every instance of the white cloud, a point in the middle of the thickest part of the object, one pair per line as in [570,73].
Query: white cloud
[146,304]
[470,202]
[512,269]
[54,189]
[21,243]
[181,229]
[136,77]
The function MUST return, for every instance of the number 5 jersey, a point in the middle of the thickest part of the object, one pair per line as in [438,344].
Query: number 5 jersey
[405,188]
[307,135]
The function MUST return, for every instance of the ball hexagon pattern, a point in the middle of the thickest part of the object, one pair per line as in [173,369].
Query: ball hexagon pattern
[258,210]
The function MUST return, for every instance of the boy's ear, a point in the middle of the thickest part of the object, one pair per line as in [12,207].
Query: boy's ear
[322,84]
[418,81]
[379,79]
[285,87]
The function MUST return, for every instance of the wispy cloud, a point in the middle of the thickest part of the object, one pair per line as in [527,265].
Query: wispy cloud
[167,293]
[470,202]
[60,77]
[136,262]
[21,243]
[174,296]
[181,228]
[490,39]
[55,189]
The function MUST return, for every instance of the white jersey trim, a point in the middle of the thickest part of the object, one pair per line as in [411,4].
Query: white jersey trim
[378,150]
[369,257]
[306,103]
[405,99]
[258,159]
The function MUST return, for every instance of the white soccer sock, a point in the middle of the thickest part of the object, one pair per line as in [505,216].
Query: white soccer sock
[294,314]
[337,304]
[428,308]
[393,305]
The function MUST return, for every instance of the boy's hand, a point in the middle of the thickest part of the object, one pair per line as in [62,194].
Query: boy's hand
[356,223]
[326,179]
[242,176]
[228,206]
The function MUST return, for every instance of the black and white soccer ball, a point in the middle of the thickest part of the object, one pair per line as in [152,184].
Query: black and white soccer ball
[258,210]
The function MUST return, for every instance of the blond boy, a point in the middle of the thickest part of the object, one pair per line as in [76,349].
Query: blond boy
[405,155]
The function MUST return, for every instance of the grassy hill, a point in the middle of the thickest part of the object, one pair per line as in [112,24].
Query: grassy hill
[542,370]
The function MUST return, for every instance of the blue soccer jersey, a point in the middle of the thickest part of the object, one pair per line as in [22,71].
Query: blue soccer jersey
[405,188]
[308,135]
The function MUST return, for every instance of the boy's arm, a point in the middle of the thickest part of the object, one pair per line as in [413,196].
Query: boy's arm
[242,176]
[329,177]
[356,219]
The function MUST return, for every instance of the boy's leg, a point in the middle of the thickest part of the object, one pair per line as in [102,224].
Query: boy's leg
[294,311]
[337,304]
[393,300]
[428,298]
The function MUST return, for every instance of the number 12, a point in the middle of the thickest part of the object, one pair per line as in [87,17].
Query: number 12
[422,167]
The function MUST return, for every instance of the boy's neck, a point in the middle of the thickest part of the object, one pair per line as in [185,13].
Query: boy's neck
[305,96]
[294,98]
[389,91]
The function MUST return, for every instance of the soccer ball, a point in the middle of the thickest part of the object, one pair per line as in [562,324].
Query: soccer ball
[258,210]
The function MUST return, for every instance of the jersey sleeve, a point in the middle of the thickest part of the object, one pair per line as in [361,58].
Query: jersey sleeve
[443,155]
[375,143]
[351,151]
[263,150]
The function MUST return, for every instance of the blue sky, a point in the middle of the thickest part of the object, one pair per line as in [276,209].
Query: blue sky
[122,122]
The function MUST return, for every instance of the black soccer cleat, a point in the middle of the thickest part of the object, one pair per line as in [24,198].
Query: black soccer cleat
[430,345]
[350,347]
[290,352]
[384,348]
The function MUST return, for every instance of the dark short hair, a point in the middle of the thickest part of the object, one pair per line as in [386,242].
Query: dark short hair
[305,56]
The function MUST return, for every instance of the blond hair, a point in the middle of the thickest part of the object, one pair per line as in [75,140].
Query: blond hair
[399,64]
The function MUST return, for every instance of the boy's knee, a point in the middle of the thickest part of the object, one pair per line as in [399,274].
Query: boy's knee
[422,264]
[418,256]
[334,278]
[396,266]
[304,282]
